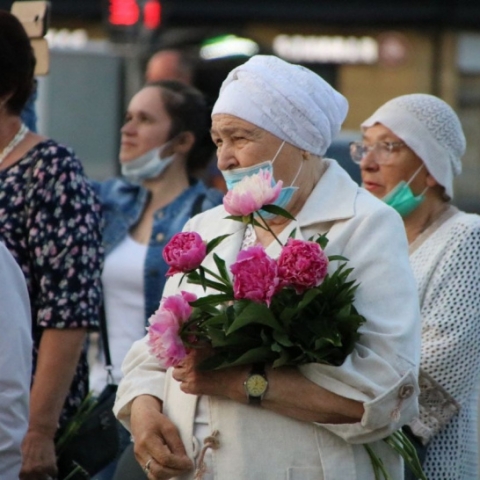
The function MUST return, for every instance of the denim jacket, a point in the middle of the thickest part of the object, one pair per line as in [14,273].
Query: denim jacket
[123,204]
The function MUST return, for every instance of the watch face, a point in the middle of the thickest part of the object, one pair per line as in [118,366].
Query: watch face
[256,385]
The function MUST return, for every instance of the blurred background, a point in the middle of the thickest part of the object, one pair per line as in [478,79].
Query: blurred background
[370,51]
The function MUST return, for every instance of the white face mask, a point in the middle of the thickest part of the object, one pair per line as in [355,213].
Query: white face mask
[146,166]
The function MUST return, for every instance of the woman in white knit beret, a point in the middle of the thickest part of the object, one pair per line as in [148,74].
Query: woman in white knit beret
[410,153]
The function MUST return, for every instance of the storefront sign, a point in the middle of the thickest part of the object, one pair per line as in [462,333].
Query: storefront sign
[326,49]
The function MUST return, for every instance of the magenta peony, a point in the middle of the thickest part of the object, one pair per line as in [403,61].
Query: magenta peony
[184,252]
[302,265]
[251,194]
[255,275]
[163,333]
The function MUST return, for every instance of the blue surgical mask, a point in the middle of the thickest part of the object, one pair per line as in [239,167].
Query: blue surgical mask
[232,177]
[149,165]
[402,199]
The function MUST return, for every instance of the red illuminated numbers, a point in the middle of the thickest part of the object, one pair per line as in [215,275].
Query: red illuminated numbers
[127,13]
[123,12]
[152,12]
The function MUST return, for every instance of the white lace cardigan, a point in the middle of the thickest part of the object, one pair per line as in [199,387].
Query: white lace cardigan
[447,270]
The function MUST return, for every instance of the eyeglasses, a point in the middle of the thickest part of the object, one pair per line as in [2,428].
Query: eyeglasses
[381,150]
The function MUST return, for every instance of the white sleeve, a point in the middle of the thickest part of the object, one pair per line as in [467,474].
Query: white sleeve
[382,370]
[15,364]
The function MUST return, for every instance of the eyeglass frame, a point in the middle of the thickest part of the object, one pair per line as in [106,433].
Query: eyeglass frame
[388,147]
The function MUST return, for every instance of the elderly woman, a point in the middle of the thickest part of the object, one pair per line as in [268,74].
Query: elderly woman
[410,153]
[308,421]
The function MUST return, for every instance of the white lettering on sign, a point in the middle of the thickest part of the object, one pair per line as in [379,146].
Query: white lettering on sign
[326,49]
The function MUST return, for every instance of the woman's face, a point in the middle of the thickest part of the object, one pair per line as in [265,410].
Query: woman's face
[241,144]
[147,124]
[400,164]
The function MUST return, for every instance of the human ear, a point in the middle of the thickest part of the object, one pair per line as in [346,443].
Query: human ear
[184,142]
[430,181]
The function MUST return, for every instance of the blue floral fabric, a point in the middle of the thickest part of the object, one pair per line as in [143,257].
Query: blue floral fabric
[50,222]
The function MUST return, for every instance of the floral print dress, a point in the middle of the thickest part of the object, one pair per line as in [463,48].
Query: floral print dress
[50,222]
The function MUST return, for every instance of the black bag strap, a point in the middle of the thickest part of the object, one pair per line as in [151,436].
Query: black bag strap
[106,348]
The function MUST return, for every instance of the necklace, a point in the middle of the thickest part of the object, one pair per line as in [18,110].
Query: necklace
[22,131]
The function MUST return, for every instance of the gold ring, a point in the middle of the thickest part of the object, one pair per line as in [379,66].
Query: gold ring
[146,468]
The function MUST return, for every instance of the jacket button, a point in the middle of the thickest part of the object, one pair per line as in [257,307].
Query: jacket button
[406,391]
[160,237]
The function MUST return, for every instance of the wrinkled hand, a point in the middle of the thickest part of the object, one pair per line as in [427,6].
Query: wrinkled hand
[39,460]
[157,438]
[227,382]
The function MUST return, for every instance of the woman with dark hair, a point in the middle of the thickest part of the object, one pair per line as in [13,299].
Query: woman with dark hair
[161,146]
[49,220]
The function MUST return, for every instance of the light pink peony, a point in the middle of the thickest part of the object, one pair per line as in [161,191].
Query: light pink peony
[255,275]
[302,265]
[184,252]
[251,194]
[163,333]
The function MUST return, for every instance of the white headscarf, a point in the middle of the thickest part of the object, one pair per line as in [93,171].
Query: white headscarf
[430,128]
[289,101]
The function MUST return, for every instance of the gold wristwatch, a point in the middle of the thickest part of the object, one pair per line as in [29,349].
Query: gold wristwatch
[256,384]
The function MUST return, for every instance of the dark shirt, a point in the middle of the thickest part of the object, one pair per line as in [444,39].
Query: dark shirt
[50,222]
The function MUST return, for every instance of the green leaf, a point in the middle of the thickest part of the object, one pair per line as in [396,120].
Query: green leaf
[200,279]
[293,233]
[239,218]
[261,354]
[308,297]
[222,269]
[282,338]
[211,300]
[215,242]
[254,313]
[333,258]
[275,209]
[322,240]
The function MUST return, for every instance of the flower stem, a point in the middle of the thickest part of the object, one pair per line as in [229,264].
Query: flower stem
[268,228]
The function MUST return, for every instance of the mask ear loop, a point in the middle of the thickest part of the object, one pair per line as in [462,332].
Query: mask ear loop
[413,178]
[298,173]
[278,152]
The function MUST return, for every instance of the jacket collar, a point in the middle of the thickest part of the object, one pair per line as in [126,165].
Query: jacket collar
[333,198]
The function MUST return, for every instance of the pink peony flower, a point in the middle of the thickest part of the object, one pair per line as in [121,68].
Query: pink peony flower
[251,194]
[163,333]
[184,252]
[302,265]
[255,275]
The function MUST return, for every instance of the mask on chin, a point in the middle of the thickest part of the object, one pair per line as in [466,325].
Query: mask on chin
[402,199]
[146,166]
[232,177]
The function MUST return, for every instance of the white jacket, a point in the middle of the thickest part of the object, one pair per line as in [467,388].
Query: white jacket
[381,372]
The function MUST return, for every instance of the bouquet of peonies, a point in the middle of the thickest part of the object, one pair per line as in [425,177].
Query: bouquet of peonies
[285,311]
[288,311]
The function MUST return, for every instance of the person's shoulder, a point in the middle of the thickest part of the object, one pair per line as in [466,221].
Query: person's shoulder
[55,158]
[207,218]
[367,205]
[213,197]
[115,189]
[463,227]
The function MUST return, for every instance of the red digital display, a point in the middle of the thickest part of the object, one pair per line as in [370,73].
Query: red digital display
[152,14]
[123,12]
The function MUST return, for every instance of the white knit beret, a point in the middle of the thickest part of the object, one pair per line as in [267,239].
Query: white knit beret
[431,128]
[289,101]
